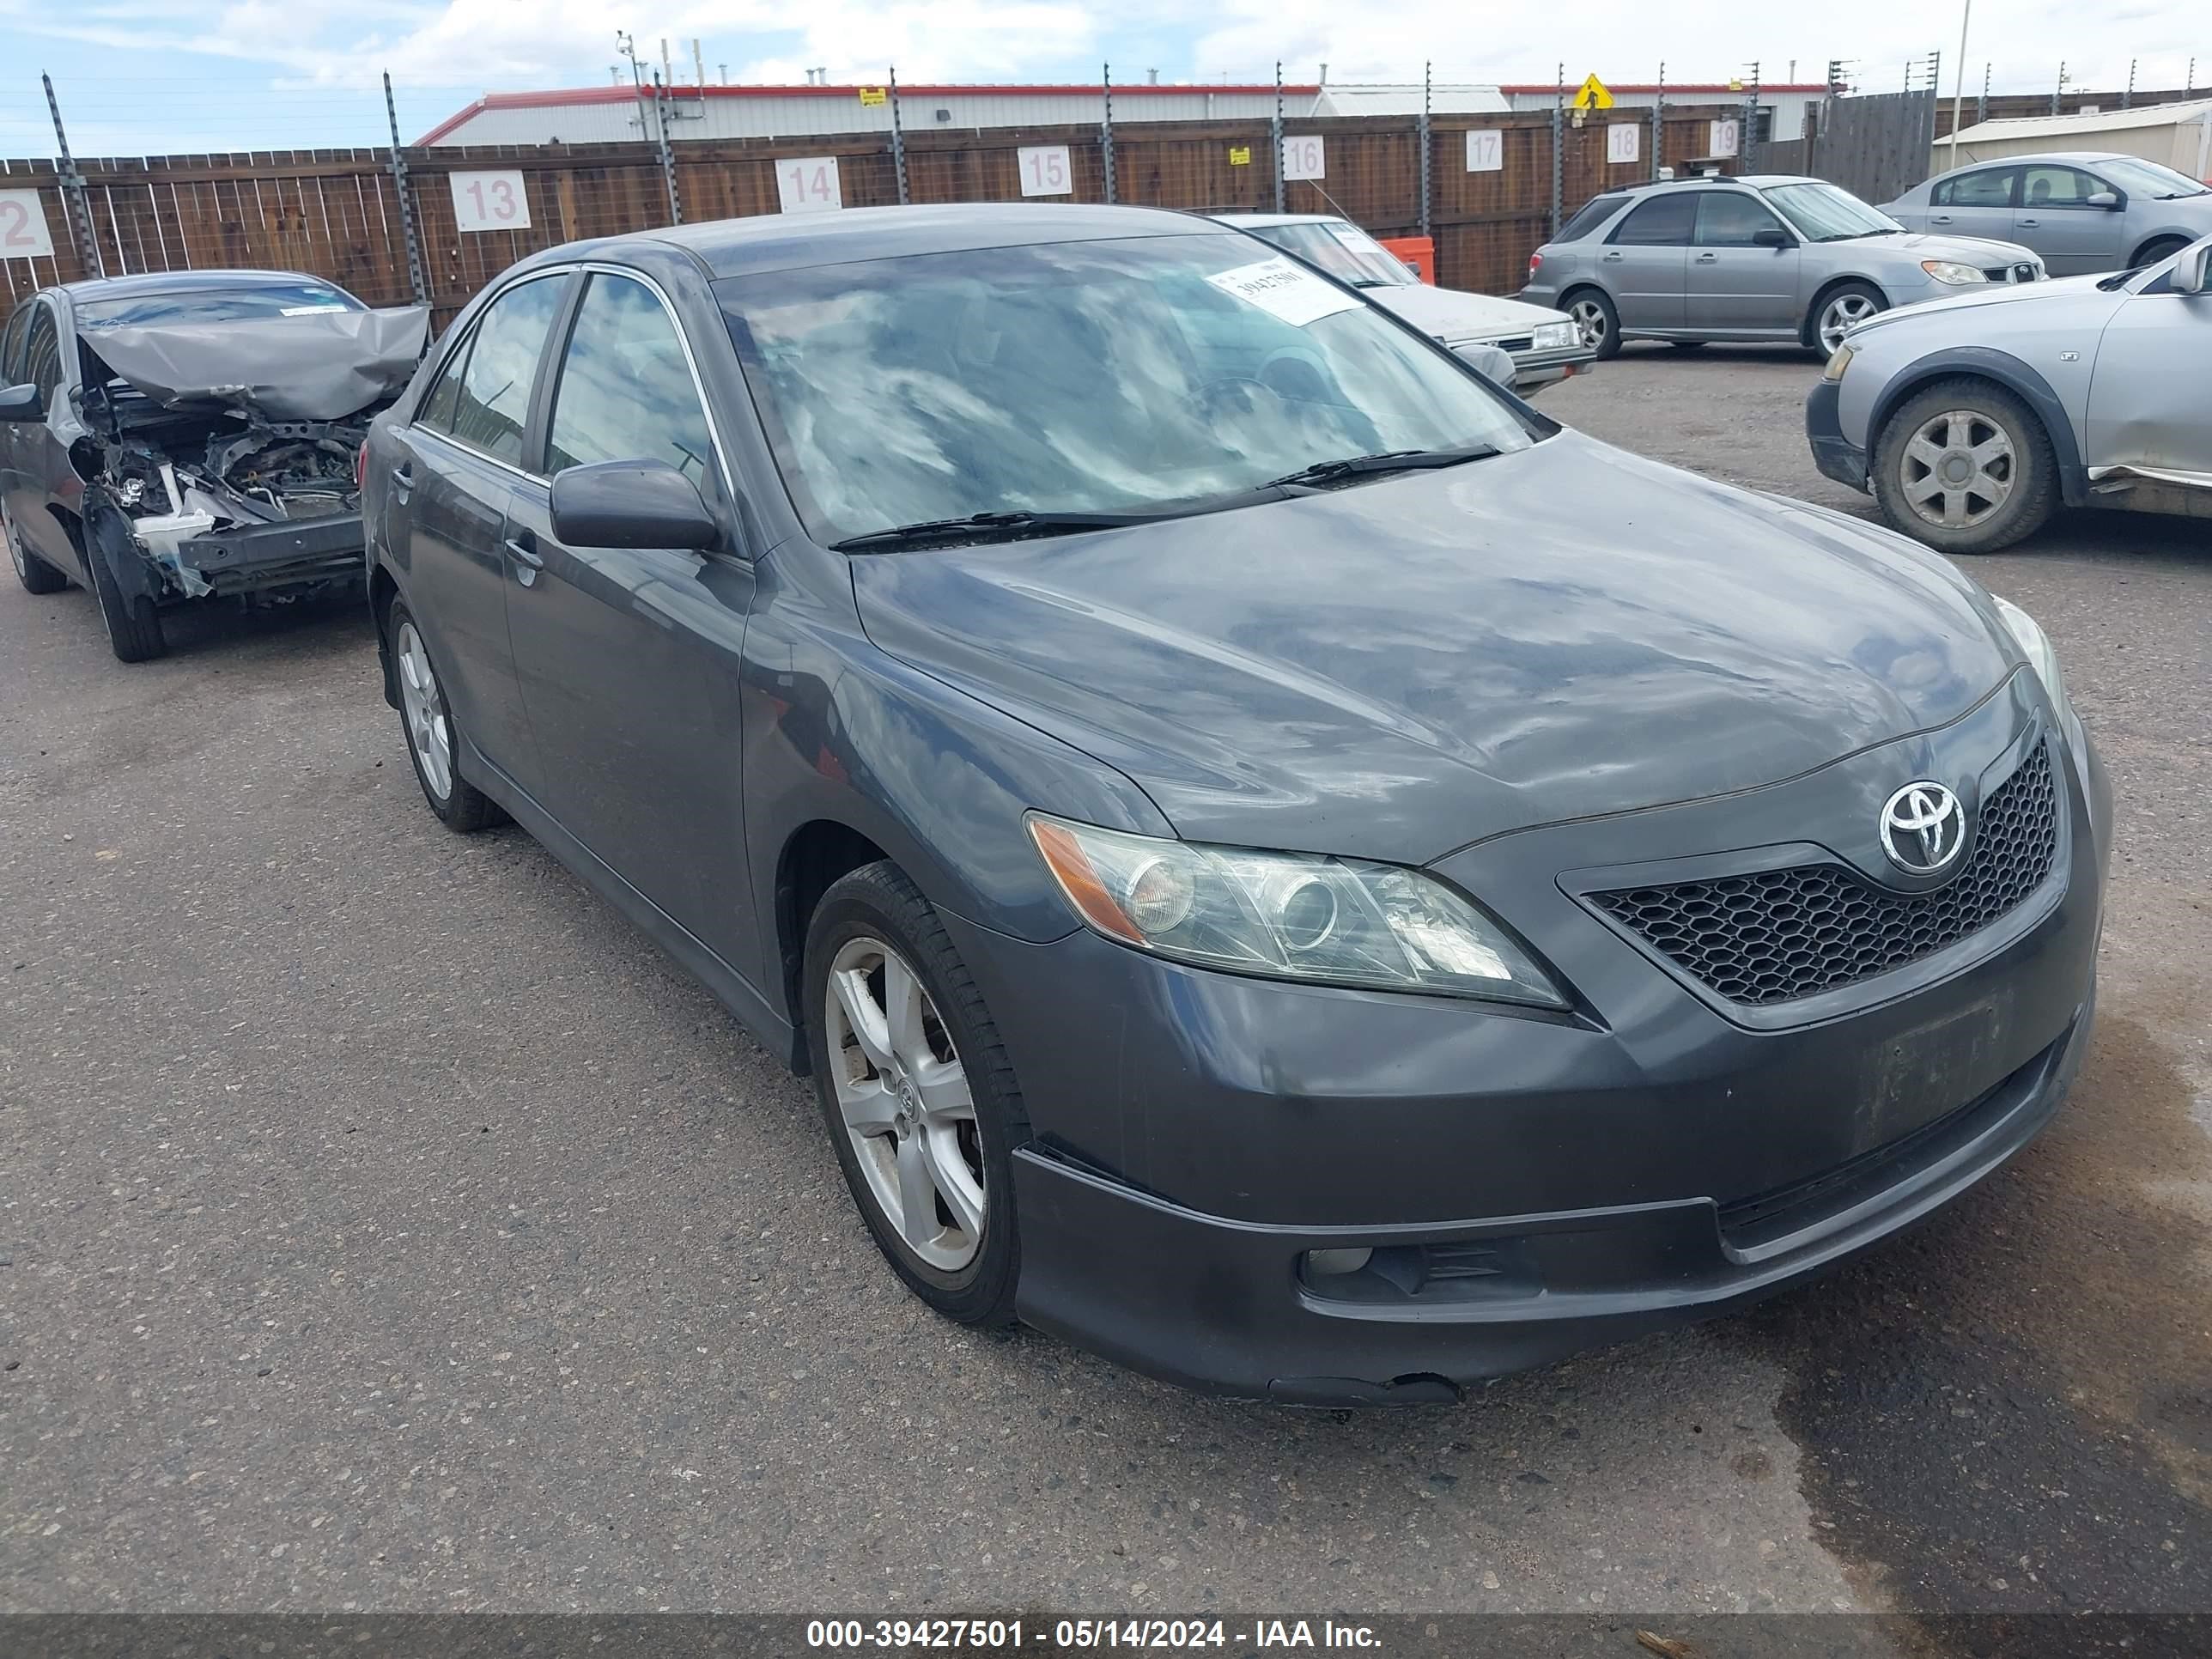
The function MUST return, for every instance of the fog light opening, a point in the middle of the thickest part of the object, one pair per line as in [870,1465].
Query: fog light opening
[1331,1262]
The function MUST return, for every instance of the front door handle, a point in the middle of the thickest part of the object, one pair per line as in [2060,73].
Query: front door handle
[523,548]
[1708,259]
[2030,224]
[403,479]
[1938,218]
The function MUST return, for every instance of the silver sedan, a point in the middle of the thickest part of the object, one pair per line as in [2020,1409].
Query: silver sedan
[2083,211]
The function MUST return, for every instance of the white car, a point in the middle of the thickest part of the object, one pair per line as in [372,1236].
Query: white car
[1545,348]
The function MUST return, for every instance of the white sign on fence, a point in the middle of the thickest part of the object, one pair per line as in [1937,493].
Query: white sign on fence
[23,234]
[1623,141]
[1303,158]
[809,184]
[1045,170]
[1485,150]
[1722,137]
[490,201]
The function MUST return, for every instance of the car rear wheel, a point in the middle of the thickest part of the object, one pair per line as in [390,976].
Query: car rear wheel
[33,572]
[1842,309]
[1598,321]
[917,1093]
[1966,467]
[433,742]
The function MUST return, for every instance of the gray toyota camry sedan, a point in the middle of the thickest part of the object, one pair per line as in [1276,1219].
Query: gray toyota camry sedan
[1284,866]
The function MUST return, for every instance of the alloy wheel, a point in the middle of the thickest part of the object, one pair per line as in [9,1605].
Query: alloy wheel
[429,733]
[904,1097]
[1959,469]
[1842,314]
[1589,316]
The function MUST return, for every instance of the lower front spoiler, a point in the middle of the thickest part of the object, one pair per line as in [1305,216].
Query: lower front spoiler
[1232,1307]
[1835,455]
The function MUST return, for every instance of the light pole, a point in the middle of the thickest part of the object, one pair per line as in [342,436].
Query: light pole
[1959,86]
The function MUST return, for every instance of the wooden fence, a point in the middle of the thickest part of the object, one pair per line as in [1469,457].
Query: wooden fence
[338,213]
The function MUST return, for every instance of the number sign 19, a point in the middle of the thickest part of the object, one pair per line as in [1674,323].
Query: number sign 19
[1723,138]
[490,201]
[1045,170]
[1485,150]
[1304,158]
[808,185]
[23,234]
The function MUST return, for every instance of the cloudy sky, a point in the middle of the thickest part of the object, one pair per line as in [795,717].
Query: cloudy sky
[136,76]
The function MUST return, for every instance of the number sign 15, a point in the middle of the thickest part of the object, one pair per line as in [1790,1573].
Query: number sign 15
[1485,150]
[808,185]
[23,234]
[1045,171]
[1303,158]
[490,201]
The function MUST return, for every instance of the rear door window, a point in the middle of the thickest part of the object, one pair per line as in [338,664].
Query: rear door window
[1666,221]
[493,405]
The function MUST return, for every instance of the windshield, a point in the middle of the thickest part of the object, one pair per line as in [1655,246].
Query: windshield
[1823,213]
[2148,179]
[1121,376]
[1343,250]
[215,305]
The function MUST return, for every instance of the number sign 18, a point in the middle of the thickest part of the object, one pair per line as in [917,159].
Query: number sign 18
[490,201]
[1623,141]
[808,185]
[1485,150]
[23,234]
[1045,171]
[1304,158]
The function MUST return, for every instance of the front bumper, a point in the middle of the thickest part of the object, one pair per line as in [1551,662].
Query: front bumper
[1837,456]
[255,558]
[1533,370]
[1532,1183]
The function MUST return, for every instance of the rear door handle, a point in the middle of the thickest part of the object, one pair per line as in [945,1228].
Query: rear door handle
[2030,224]
[1612,255]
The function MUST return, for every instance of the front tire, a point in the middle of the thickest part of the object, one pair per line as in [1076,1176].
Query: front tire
[1841,309]
[916,1092]
[134,626]
[1966,467]
[1600,323]
[2157,253]
[37,576]
[433,740]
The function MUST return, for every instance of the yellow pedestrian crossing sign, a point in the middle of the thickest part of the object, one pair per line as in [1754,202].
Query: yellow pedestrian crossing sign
[1593,96]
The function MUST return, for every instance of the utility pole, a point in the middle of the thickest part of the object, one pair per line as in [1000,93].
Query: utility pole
[667,155]
[2058,92]
[73,197]
[1959,85]
[2128,98]
[899,137]
[1277,129]
[1106,127]
[422,289]
[1558,143]
[1428,72]
[1659,126]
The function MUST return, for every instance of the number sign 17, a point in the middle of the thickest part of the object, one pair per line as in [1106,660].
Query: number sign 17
[490,201]
[1485,150]
[1045,171]
[23,234]
[808,185]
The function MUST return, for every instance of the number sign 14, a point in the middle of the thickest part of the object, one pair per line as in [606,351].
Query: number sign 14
[1045,171]
[808,185]
[490,201]
[1485,150]
[23,233]
[1304,157]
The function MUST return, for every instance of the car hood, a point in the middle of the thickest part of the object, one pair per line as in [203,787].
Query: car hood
[1992,294]
[1980,251]
[1451,315]
[1396,669]
[320,367]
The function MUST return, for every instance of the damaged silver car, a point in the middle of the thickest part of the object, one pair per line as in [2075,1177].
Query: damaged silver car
[187,435]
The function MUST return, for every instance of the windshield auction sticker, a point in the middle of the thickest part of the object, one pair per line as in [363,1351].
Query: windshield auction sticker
[1291,292]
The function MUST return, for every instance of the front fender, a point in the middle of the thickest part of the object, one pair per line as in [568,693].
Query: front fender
[2016,376]
[109,538]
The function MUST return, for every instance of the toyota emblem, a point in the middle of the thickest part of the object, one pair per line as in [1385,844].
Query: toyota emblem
[1923,828]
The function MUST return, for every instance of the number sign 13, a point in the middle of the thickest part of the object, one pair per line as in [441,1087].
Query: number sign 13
[490,201]
[808,185]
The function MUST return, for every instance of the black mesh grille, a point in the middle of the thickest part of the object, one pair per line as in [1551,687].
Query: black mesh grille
[1779,934]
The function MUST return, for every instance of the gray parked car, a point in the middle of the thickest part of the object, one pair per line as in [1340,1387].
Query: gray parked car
[1544,350]
[1972,419]
[1261,887]
[2082,211]
[1759,258]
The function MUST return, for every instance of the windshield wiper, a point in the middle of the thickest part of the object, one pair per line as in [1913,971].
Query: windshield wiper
[1392,460]
[989,526]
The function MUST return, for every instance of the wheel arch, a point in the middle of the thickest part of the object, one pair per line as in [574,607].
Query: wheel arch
[2172,241]
[2003,369]
[815,856]
[1811,320]
[383,591]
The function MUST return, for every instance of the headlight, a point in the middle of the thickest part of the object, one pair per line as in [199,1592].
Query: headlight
[1286,916]
[2035,645]
[1838,363]
[1558,336]
[1951,271]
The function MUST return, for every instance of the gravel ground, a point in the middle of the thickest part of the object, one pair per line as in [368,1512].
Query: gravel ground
[384,1224]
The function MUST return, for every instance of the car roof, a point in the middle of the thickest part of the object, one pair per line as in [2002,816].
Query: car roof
[777,241]
[2080,155]
[185,281]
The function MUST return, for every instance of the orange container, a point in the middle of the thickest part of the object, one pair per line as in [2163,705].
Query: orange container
[1418,252]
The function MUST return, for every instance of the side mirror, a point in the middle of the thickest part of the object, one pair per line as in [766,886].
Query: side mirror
[2190,275]
[22,403]
[1769,236]
[2103,198]
[631,504]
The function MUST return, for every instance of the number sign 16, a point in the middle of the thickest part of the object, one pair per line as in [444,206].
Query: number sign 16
[1303,158]
[23,234]
[1485,150]
[1045,171]
[490,201]
[808,185]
